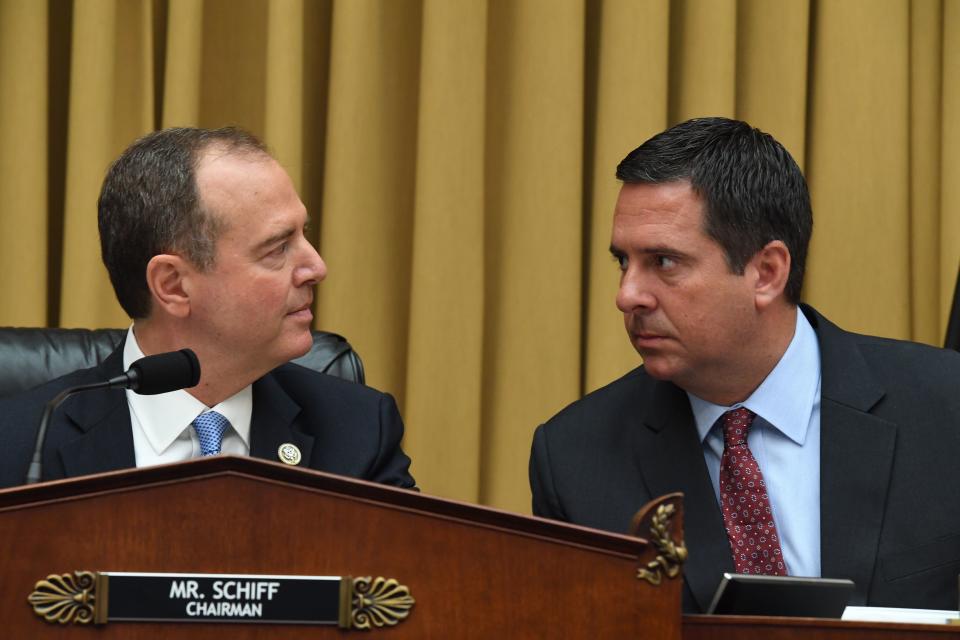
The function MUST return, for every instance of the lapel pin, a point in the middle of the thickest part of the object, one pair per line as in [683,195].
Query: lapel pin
[289,454]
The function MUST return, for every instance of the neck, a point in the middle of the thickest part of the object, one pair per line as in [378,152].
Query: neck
[221,376]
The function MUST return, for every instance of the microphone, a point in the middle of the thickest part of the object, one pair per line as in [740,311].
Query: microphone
[160,373]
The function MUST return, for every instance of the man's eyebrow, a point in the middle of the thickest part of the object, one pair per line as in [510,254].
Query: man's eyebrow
[657,248]
[280,235]
[275,238]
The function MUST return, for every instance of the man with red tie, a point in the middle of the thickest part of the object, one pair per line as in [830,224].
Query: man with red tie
[801,449]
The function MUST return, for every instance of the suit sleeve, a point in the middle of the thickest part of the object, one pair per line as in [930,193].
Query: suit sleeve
[392,466]
[545,501]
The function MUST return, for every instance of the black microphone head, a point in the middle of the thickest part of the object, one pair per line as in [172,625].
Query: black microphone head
[165,372]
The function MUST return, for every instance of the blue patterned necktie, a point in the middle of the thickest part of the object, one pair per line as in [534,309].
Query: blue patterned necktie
[210,427]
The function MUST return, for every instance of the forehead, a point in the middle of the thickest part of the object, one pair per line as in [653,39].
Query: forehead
[669,209]
[246,187]
[224,175]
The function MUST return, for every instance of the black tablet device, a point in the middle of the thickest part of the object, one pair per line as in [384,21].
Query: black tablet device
[751,595]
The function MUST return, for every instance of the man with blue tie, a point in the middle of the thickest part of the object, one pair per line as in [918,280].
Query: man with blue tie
[801,449]
[202,233]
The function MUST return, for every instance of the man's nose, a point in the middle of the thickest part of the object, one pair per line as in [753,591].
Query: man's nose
[635,293]
[312,268]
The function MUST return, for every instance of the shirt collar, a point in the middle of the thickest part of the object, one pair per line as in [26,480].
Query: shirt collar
[787,395]
[164,416]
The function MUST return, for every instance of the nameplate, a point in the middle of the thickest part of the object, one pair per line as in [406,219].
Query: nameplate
[85,597]
[197,597]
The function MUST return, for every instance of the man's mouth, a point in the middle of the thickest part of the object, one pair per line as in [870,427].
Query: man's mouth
[303,310]
[647,338]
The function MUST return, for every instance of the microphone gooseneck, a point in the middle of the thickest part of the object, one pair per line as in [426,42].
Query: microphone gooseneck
[160,373]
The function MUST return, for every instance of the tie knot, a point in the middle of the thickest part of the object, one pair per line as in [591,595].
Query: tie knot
[736,424]
[210,427]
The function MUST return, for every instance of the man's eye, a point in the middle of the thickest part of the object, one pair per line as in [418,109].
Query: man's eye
[621,262]
[665,262]
[280,249]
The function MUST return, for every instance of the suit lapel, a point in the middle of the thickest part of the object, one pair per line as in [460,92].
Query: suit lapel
[671,459]
[104,420]
[273,420]
[856,457]
[106,443]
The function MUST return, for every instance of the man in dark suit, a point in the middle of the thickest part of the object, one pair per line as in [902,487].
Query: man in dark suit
[202,233]
[801,449]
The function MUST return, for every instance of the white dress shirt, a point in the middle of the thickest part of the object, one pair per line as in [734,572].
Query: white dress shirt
[162,423]
[785,440]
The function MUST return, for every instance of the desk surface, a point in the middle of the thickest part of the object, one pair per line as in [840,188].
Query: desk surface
[699,627]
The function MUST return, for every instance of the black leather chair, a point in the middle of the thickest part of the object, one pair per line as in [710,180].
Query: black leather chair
[29,357]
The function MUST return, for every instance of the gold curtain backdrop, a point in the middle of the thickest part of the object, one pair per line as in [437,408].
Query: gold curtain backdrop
[457,157]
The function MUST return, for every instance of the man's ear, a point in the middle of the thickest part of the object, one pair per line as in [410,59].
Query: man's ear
[165,278]
[772,266]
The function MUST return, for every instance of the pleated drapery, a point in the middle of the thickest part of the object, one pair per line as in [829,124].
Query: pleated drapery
[457,158]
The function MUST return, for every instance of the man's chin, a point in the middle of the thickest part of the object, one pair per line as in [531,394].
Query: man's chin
[296,345]
[658,367]
[303,346]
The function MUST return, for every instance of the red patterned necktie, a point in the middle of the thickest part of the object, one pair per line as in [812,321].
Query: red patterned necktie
[746,506]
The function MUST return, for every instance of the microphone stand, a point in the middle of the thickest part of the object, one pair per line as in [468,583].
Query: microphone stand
[150,375]
[33,473]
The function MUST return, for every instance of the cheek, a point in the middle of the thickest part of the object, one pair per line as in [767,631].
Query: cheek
[263,288]
[735,320]
[270,299]
[710,314]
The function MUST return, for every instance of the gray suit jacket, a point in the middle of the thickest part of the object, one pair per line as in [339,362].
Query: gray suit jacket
[889,465]
[340,427]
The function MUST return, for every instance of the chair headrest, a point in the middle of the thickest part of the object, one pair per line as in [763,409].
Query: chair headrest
[29,357]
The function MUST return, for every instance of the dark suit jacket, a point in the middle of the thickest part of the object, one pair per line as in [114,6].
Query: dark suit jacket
[340,427]
[889,465]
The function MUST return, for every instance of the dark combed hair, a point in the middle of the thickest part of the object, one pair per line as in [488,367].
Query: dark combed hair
[150,204]
[752,189]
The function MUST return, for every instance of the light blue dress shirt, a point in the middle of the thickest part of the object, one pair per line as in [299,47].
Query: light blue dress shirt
[785,440]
